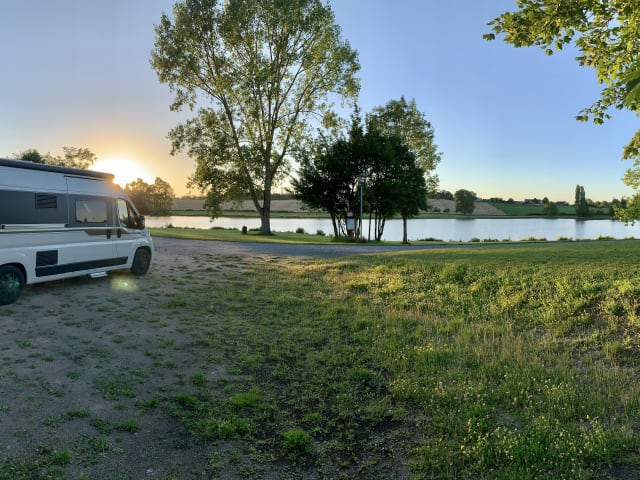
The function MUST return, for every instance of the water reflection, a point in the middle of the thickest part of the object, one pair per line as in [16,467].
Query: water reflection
[447,229]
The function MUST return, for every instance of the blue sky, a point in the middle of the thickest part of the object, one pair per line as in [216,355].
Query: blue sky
[76,73]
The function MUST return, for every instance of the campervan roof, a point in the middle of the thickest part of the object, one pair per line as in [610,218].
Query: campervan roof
[54,168]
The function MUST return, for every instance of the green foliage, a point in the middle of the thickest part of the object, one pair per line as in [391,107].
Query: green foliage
[582,209]
[214,416]
[198,379]
[486,363]
[129,426]
[330,176]
[402,119]
[263,69]
[550,209]
[296,442]
[465,201]
[74,157]
[605,32]
[154,199]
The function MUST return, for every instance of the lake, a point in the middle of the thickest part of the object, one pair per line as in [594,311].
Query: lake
[447,229]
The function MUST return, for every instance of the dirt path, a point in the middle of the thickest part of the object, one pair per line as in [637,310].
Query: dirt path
[85,364]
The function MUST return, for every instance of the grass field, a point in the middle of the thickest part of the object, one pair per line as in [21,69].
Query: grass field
[485,363]
[494,364]
[521,210]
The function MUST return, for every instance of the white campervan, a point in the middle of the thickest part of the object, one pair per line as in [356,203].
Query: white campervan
[59,222]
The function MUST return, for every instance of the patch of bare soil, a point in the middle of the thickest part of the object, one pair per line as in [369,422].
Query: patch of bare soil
[86,364]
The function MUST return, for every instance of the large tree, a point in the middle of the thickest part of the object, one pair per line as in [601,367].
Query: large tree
[402,119]
[607,35]
[328,176]
[261,72]
[395,184]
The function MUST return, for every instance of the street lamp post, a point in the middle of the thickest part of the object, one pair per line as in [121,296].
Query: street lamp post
[362,177]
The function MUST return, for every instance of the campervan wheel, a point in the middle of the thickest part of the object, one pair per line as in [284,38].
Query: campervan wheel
[141,261]
[11,284]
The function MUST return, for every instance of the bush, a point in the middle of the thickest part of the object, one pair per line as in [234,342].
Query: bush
[300,230]
[321,233]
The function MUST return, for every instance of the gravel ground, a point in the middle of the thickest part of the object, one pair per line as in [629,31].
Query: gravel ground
[85,363]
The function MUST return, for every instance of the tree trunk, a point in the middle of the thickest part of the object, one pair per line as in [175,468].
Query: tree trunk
[334,224]
[265,211]
[404,230]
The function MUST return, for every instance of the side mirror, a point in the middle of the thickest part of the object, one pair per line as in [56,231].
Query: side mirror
[141,222]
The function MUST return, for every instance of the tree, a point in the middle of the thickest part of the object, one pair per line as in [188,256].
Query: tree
[444,194]
[403,119]
[581,206]
[395,182]
[74,157]
[162,197]
[606,33]
[465,201]
[263,69]
[77,158]
[329,178]
[154,199]
[138,192]
[31,155]
[550,209]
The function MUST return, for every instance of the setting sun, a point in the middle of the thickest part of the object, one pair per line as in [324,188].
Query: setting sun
[124,170]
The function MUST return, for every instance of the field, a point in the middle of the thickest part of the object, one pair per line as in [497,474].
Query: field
[522,210]
[492,363]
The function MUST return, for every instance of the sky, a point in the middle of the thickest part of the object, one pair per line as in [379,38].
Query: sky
[77,73]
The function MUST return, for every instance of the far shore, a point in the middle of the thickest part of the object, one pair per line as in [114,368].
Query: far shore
[439,208]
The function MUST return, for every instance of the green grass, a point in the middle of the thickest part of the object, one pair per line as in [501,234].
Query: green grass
[231,235]
[521,210]
[493,363]
[488,363]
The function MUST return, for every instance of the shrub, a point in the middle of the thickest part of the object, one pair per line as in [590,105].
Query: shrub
[300,230]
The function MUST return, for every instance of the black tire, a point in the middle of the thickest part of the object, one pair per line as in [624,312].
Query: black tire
[11,284]
[141,262]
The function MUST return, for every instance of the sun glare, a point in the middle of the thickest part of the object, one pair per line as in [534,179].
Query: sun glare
[124,170]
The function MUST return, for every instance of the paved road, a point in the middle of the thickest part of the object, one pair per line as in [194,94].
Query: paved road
[298,250]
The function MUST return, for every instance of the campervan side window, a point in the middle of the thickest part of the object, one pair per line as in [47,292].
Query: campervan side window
[91,210]
[126,214]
